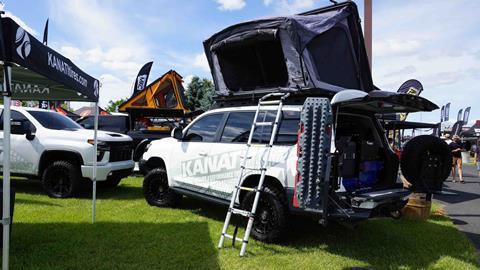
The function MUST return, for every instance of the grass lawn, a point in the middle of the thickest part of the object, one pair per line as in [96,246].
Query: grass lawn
[129,234]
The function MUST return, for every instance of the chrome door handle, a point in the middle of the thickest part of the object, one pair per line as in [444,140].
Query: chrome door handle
[202,154]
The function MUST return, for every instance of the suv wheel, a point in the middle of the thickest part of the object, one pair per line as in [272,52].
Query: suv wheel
[110,182]
[61,179]
[271,216]
[156,189]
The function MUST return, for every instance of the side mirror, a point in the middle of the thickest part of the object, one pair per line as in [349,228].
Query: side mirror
[22,127]
[177,133]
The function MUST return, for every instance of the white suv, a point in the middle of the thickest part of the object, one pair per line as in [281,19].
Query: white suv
[204,160]
[52,147]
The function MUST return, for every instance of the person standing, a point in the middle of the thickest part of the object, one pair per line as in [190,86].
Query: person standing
[477,156]
[456,148]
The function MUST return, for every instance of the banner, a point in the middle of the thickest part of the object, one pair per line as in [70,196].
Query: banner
[466,115]
[447,112]
[459,115]
[43,73]
[442,114]
[44,104]
[45,34]
[142,77]
[412,87]
[457,127]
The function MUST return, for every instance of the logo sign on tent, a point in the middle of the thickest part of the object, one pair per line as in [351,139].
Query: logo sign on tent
[40,73]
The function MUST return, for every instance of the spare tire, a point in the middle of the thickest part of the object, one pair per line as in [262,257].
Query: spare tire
[140,150]
[426,163]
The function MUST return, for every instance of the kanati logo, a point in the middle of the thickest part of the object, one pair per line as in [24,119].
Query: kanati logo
[22,41]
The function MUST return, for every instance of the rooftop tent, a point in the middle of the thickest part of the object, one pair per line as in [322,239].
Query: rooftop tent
[166,92]
[33,71]
[321,51]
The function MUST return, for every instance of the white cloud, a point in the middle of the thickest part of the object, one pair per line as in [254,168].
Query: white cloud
[71,52]
[22,23]
[267,2]
[288,7]
[395,47]
[230,5]
[186,80]
[200,61]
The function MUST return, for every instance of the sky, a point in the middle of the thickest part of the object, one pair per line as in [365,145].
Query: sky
[434,41]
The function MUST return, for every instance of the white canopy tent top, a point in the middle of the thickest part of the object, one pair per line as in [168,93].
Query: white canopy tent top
[32,71]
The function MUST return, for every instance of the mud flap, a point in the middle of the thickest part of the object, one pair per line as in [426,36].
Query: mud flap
[313,149]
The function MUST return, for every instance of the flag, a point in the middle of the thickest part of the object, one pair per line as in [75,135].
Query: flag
[459,115]
[411,87]
[447,112]
[466,115]
[142,77]
[45,33]
[442,114]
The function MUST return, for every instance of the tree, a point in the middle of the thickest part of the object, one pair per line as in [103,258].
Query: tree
[199,94]
[114,104]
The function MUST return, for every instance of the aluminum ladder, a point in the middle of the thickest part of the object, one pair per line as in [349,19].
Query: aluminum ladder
[280,98]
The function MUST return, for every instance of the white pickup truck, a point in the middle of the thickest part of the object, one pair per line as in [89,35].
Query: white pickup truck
[52,147]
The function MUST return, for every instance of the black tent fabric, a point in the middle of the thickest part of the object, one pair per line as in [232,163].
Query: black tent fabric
[40,73]
[322,49]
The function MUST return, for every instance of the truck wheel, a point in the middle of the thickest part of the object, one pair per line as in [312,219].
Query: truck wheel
[156,189]
[271,216]
[110,182]
[426,162]
[61,179]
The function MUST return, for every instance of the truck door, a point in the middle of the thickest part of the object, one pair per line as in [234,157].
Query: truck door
[192,171]
[25,154]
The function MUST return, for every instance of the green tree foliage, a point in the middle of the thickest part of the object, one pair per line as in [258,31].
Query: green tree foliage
[199,94]
[114,104]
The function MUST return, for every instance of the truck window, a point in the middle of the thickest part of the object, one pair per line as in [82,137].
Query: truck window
[53,120]
[238,127]
[204,129]
[15,116]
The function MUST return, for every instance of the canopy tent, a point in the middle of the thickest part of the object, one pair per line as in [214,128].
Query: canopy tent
[320,51]
[33,71]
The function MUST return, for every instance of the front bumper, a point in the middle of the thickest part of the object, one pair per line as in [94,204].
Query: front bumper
[104,170]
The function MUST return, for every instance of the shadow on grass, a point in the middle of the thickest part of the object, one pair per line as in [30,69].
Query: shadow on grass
[122,192]
[382,243]
[113,246]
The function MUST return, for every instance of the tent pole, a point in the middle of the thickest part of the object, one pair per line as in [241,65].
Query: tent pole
[94,174]
[6,170]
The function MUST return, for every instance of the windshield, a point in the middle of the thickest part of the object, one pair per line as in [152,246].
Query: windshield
[53,120]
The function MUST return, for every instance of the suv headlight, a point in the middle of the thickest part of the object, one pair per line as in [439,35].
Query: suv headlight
[101,145]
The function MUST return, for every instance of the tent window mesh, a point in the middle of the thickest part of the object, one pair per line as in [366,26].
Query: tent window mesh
[253,64]
[333,58]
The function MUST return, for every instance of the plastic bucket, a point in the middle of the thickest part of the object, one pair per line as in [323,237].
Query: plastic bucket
[465,157]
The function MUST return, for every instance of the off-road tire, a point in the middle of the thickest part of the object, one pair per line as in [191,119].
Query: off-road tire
[271,216]
[62,179]
[156,189]
[415,160]
[110,182]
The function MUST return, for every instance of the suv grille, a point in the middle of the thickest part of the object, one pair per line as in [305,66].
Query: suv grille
[120,151]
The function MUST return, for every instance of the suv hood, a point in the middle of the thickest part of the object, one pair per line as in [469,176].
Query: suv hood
[382,102]
[322,49]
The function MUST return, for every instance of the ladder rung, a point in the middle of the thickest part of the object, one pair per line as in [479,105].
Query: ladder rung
[270,102]
[253,169]
[259,124]
[246,188]
[231,237]
[241,212]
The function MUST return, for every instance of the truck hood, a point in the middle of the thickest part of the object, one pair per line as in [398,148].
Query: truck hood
[87,134]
